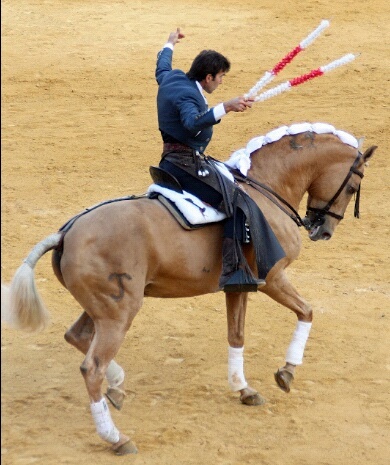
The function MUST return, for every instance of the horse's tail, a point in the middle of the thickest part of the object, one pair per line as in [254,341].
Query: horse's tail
[21,305]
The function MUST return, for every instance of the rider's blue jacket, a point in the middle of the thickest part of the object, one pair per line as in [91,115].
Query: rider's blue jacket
[182,110]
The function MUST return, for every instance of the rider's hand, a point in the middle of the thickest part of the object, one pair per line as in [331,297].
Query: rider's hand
[238,104]
[174,37]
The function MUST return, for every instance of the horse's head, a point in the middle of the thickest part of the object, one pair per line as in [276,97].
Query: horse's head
[330,194]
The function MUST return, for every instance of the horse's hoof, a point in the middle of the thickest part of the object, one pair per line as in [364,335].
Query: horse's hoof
[116,396]
[284,379]
[126,448]
[252,399]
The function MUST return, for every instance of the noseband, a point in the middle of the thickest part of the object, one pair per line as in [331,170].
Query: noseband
[319,213]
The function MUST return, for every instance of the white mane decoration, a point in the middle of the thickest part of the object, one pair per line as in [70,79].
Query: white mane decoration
[240,159]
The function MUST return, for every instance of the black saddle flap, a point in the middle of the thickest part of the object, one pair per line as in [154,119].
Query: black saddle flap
[164,179]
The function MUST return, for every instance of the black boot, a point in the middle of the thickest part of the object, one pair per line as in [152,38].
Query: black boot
[236,277]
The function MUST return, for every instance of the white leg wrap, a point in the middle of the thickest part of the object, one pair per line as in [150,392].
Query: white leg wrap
[104,425]
[236,376]
[115,374]
[297,346]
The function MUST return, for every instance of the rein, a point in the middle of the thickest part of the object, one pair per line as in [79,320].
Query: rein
[271,195]
[319,213]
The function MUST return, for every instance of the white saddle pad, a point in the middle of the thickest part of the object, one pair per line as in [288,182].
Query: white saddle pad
[194,210]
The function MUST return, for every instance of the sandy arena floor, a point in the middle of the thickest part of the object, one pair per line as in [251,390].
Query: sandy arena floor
[79,126]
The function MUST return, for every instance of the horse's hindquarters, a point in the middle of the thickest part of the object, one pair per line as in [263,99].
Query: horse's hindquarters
[137,247]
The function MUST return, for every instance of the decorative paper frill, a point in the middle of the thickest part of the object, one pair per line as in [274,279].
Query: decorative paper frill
[240,159]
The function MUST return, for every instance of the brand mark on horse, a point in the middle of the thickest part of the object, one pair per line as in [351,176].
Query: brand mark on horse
[119,277]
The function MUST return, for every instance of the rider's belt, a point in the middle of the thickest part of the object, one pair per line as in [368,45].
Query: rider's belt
[170,147]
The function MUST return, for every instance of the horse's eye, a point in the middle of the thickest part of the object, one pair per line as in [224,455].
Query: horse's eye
[351,190]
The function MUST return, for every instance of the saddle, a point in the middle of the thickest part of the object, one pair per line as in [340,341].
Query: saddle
[189,211]
[164,179]
[266,245]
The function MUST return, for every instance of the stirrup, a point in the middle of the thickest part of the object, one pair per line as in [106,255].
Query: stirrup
[240,281]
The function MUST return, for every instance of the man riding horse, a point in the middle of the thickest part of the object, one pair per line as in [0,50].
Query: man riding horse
[186,125]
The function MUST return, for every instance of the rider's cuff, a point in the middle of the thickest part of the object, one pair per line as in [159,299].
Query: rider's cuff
[219,111]
[168,45]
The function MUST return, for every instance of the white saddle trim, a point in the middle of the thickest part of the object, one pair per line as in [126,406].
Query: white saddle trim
[194,210]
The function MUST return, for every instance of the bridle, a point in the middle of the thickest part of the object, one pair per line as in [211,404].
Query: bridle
[319,213]
[310,221]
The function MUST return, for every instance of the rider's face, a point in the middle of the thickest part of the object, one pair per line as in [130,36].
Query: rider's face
[211,82]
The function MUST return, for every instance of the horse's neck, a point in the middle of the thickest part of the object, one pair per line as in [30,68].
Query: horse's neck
[288,168]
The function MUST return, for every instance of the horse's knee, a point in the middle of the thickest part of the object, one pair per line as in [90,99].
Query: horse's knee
[84,370]
[92,370]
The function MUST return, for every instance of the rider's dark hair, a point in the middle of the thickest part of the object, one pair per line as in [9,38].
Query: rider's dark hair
[208,62]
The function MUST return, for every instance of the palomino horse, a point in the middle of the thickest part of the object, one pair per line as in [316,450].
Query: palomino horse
[118,253]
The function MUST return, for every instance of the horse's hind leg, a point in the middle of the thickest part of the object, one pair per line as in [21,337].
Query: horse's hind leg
[236,309]
[107,339]
[80,335]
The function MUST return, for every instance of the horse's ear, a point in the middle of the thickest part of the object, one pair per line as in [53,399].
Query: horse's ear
[369,152]
[360,143]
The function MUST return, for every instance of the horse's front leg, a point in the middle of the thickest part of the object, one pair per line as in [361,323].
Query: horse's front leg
[80,335]
[280,289]
[236,309]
